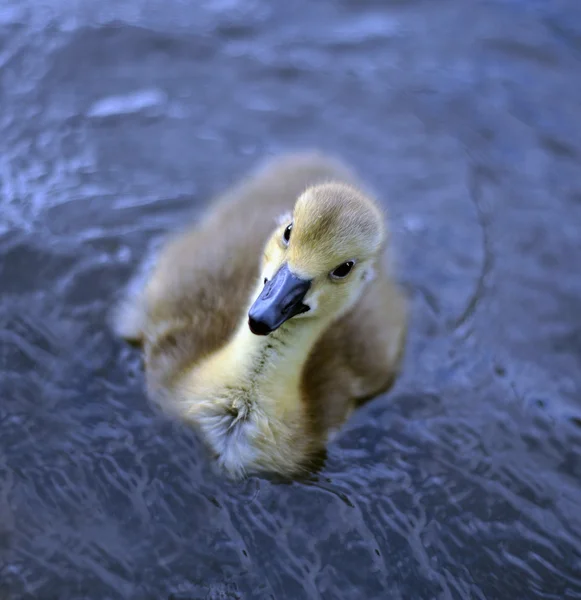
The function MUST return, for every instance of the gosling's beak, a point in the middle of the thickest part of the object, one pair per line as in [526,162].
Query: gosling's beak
[280,299]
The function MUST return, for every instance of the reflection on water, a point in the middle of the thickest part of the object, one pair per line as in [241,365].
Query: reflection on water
[118,122]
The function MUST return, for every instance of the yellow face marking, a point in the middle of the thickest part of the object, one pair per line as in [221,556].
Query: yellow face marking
[331,224]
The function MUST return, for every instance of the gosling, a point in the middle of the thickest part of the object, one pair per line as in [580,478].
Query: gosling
[267,323]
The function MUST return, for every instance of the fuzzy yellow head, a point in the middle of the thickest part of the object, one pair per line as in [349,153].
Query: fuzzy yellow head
[318,261]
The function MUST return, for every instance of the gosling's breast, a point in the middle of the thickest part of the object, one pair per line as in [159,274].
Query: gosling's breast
[230,429]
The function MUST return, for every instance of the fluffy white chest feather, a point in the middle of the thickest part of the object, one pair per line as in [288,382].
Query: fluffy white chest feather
[247,408]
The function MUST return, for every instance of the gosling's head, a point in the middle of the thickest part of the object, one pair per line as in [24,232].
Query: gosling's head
[319,260]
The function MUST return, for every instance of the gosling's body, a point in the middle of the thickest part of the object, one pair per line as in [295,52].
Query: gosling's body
[262,403]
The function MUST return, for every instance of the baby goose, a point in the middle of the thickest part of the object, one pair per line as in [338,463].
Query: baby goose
[266,358]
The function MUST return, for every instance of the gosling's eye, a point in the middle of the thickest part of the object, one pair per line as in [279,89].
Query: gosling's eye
[342,270]
[287,233]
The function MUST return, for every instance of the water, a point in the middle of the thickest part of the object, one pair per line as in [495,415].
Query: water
[120,120]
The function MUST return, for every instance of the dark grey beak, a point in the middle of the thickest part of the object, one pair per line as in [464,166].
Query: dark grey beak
[280,300]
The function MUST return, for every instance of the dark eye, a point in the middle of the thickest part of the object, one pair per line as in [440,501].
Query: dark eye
[342,270]
[287,233]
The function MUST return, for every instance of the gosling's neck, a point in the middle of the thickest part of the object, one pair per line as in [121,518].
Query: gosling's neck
[272,365]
